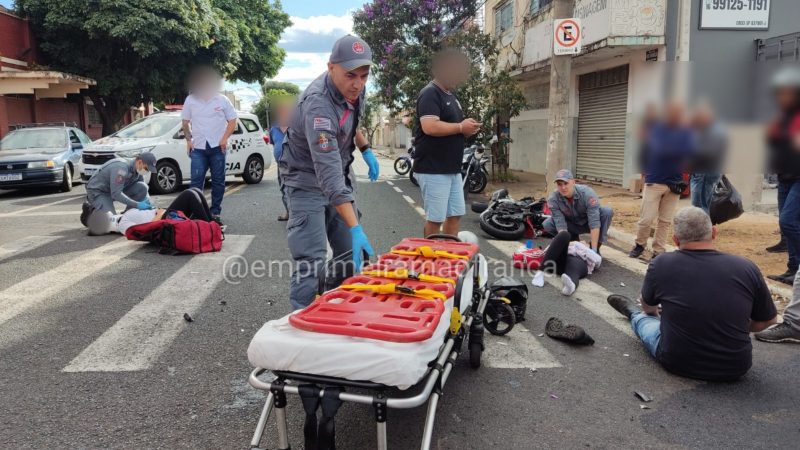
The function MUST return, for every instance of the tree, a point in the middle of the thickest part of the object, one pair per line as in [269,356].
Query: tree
[269,85]
[405,34]
[372,116]
[141,51]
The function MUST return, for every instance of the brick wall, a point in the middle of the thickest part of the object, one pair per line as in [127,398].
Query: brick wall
[16,40]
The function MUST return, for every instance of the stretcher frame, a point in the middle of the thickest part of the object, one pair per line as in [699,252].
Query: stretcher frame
[432,383]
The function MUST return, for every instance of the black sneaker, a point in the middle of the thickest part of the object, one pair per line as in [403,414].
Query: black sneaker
[780,247]
[637,251]
[786,277]
[572,334]
[86,211]
[623,305]
[781,332]
[217,218]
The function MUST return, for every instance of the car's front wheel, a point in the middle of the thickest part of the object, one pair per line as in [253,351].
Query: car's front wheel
[253,170]
[166,179]
[66,180]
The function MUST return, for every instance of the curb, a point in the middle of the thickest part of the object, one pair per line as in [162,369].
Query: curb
[629,239]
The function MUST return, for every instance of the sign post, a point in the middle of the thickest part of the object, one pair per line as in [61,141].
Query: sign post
[567,36]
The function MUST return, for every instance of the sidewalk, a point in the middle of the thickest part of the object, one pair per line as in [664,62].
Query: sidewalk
[746,236]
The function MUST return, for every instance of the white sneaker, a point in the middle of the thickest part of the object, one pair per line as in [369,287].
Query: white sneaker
[538,278]
[569,285]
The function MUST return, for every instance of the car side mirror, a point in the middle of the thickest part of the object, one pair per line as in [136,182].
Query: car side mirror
[179,135]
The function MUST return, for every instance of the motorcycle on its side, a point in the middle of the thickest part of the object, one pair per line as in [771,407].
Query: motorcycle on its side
[508,219]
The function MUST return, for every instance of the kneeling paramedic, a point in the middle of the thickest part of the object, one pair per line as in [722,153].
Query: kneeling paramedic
[122,181]
[315,168]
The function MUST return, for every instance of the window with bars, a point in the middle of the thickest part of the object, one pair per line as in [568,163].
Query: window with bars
[537,5]
[504,18]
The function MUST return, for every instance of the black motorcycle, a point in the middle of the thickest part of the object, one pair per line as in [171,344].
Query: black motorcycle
[509,219]
[404,163]
[474,175]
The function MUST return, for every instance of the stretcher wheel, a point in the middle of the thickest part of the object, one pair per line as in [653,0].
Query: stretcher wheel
[499,318]
[475,350]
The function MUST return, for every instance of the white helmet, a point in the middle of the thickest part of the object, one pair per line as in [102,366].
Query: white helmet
[100,222]
[788,76]
[468,236]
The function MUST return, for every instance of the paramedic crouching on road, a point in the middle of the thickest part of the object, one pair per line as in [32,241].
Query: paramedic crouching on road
[119,180]
[315,167]
[711,302]
[576,208]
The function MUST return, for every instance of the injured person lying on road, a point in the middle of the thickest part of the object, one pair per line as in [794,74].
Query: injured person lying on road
[191,203]
[572,261]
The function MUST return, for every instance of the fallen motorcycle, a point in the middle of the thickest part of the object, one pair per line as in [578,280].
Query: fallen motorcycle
[508,219]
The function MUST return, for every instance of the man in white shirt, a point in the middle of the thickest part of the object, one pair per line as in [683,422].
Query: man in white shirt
[208,121]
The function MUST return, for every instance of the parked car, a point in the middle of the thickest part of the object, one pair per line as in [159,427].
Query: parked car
[38,155]
[249,153]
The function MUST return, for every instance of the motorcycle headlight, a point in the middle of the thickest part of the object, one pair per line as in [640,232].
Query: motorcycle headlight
[49,164]
[133,153]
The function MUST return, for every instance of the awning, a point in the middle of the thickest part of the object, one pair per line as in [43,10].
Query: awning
[43,84]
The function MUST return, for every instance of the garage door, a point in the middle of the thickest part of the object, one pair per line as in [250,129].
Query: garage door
[602,107]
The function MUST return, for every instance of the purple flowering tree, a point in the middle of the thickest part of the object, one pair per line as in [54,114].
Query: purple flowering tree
[405,34]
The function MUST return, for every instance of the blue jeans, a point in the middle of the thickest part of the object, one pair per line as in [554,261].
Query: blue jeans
[648,329]
[210,158]
[703,189]
[789,219]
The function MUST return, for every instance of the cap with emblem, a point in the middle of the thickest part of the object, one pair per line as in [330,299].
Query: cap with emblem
[564,175]
[351,52]
[149,159]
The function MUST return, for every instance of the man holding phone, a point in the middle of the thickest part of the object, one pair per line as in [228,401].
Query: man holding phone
[439,143]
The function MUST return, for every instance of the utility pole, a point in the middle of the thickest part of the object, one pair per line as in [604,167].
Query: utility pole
[557,126]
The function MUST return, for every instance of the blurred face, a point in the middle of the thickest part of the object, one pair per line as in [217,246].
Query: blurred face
[453,71]
[786,98]
[703,117]
[566,188]
[283,113]
[349,83]
[674,114]
[205,82]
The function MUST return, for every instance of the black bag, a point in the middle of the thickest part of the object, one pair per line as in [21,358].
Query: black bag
[677,188]
[726,203]
[514,290]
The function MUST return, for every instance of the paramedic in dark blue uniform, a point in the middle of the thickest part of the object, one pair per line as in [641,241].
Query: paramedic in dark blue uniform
[315,167]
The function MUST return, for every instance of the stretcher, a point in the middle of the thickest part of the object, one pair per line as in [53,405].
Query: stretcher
[387,338]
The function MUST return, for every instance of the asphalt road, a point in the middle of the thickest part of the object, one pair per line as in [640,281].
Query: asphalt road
[95,353]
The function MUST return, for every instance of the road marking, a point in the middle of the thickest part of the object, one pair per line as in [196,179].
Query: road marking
[389,183]
[408,199]
[137,340]
[33,208]
[234,189]
[25,244]
[621,259]
[519,349]
[28,293]
[420,211]
[592,296]
[397,189]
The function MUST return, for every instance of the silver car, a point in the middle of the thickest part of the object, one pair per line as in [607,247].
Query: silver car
[38,156]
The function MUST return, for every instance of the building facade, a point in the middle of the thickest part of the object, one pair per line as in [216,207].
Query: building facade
[633,53]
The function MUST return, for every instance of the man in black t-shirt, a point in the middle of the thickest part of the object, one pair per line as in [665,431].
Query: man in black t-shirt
[439,143]
[710,302]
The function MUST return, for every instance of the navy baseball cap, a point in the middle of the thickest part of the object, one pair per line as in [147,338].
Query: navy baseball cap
[564,175]
[351,52]
[149,159]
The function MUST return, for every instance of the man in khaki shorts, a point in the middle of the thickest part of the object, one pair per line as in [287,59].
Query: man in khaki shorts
[670,145]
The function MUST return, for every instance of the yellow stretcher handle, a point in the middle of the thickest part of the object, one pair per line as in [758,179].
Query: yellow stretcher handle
[392,288]
[428,252]
[403,274]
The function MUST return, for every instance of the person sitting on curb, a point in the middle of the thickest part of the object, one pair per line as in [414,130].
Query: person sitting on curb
[576,208]
[710,302]
[789,329]
[573,261]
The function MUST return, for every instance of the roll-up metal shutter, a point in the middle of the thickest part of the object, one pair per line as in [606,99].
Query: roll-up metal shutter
[602,107]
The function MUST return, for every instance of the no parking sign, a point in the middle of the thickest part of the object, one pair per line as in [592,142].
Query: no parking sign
[567,36]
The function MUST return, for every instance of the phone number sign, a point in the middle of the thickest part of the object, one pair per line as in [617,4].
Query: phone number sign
[734,14]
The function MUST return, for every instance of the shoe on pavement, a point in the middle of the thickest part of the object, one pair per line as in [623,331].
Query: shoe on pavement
[637,251]
[283,218]
[217,218]
[86,211]
[781,332]
[780,247]
[572,334]
[656,255]
[623,305]
[786,277]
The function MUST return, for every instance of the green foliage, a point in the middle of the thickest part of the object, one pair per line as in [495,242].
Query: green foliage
[260,110]
[371,120]
[405,34]
[141,51]
[269,85]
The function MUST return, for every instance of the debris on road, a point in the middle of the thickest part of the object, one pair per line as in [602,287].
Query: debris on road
[540,334]
[622,284]
[187,317]
[644,407]
[223,302]
[644,397]
[533,370]
[625,354]
[554,396]
[502,343]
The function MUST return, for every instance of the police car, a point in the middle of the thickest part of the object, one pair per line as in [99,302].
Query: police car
[249,152]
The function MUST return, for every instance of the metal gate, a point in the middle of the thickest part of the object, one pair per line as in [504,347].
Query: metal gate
[602,113]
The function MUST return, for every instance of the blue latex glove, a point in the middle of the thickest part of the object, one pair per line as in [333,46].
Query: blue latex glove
[144,204]
[372,163]
[360,244]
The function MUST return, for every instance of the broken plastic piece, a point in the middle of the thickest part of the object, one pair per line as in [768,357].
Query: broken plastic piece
[622,284]
[187,317]
[644,407]
[644,397]
[625,354]
[554,396]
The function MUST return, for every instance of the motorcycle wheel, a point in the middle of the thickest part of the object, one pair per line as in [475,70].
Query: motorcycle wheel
[508,230]
[412,177]
[477,182]
[402,165]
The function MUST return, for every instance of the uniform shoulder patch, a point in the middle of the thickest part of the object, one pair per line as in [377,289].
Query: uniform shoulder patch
[593,201]
[324,142]
[322,123]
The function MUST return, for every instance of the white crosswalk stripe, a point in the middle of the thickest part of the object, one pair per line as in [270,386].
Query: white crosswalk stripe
[31,292]
[519,349]
[142,335]
[26,244]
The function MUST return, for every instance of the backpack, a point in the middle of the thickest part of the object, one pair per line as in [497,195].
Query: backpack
[179,235]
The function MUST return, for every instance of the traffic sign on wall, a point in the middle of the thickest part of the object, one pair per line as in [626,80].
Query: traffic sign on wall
[567,36]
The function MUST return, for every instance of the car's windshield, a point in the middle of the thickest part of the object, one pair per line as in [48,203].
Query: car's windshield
[34,138]
[149,127]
